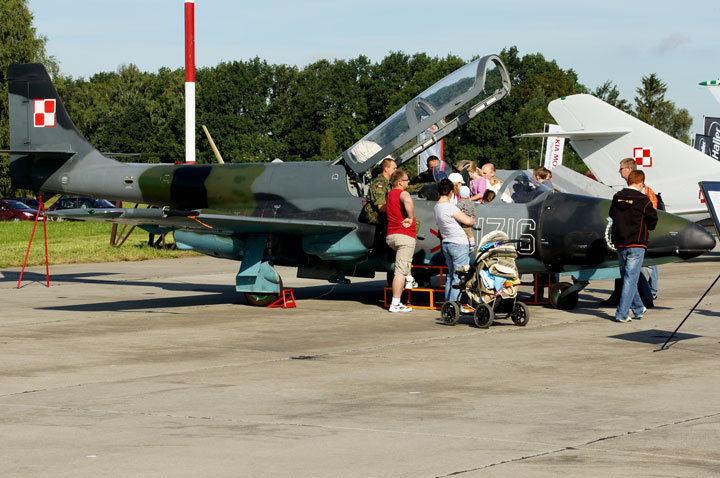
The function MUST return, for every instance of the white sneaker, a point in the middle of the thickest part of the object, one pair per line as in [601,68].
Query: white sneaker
[640,315]
[410,283]
[623,319]
[400,308]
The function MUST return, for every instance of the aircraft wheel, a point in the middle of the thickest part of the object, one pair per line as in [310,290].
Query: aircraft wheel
[263,300]
[16,218]
[450,313]
[484,316]
[564,303]
[520,314]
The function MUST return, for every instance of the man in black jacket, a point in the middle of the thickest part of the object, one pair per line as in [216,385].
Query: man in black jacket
[633,217]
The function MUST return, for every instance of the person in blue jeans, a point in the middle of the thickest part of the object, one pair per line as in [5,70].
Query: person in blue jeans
[455,243]
[653,281]
[630,260]
[633,217]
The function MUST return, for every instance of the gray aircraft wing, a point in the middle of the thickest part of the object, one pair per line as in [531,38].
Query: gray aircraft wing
[208,223]
[578,134]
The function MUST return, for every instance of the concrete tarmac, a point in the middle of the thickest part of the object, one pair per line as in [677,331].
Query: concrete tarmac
[157,369]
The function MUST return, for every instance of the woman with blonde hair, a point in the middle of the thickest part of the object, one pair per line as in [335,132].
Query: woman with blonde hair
[466,164]
[478,184]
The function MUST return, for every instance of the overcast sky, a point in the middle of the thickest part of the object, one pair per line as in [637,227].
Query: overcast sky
[612,40]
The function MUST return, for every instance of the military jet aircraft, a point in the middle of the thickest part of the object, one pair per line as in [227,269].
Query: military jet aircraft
[308,214]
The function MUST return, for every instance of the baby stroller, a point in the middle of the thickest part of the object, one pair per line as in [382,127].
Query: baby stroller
[489,285]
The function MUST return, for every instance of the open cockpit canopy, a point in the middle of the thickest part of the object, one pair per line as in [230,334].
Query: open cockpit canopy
[448,104]
[521,188]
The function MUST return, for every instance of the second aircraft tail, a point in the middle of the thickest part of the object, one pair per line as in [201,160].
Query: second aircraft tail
[604,135]
[43,138]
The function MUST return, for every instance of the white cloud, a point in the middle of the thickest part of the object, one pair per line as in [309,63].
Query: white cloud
[670,42]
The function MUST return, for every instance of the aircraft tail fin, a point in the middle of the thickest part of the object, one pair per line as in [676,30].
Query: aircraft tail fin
[42,135]
[604,135]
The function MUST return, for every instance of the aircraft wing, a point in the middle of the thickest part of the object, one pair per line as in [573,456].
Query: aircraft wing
[222,224]
[578,135]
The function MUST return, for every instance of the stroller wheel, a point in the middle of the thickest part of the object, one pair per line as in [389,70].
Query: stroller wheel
[520,314]
[450,313]
[484,316]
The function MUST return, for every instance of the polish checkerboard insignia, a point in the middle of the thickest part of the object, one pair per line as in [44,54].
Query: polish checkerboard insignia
[701,197]
[44,113]
[643,157]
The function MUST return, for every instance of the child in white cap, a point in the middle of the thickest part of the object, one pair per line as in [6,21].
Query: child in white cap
[457,180]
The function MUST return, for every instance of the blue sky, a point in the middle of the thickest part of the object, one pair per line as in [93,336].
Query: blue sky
[613,40]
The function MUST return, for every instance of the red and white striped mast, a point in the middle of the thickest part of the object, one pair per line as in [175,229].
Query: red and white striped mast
[190,81]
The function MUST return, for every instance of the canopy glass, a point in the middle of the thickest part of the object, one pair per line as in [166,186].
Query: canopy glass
[447,104]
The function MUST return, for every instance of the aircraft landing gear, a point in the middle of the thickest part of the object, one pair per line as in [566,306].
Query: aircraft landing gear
[257,278]
[564,295]
[264,299]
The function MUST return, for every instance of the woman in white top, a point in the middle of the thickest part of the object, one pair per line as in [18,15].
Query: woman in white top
[455,244]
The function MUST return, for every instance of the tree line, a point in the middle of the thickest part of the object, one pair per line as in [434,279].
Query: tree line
[257,111]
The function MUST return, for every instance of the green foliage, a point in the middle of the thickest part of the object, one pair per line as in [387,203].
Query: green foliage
[233,102]
[258,111]
[19,43]
[75,242]
[609,93]
[535,82]
[650,100]
[652,108]
[129,111]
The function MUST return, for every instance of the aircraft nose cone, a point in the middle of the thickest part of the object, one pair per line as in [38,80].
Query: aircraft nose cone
[694,240]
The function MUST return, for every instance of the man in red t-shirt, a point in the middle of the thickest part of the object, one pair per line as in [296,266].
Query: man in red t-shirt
[401,234]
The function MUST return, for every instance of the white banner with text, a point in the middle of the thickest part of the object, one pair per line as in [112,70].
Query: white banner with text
[554,148]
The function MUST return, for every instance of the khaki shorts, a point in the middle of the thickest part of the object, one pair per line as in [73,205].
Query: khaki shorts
[404,247]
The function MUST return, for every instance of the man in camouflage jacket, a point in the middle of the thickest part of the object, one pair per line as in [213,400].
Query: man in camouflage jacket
[379,187]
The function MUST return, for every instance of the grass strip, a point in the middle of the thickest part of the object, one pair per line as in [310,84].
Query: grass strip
[71,242]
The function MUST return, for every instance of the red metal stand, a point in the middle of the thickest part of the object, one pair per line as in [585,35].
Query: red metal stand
[540,282]
[418,298]
[287,301]
[47,262]
[421,294]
